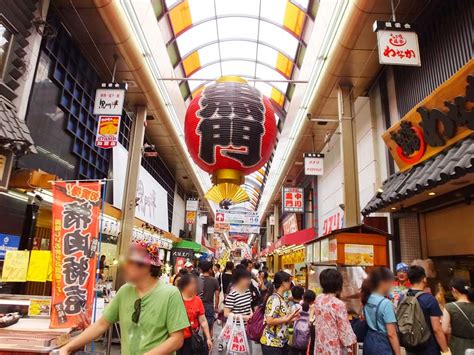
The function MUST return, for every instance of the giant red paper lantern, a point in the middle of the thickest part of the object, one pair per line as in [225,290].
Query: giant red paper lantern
[230,132]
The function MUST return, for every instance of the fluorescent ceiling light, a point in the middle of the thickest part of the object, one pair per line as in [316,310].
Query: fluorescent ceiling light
[334,10]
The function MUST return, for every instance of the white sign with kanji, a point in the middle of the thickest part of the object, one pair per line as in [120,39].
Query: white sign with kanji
[293,199]
[313,164]
[397,44]
[109,100]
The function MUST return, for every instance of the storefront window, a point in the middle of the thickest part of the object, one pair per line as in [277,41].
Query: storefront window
[6,40]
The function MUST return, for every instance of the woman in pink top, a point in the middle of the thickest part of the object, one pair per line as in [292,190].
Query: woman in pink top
[334,335]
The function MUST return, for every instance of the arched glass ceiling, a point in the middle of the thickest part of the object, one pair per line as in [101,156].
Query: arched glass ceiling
[249,38]
[254,39]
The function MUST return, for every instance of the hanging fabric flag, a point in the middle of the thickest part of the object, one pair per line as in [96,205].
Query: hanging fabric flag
[76,209]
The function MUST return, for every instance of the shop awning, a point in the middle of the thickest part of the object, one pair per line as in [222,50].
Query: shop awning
[297,238]
[187,244]
[448,165]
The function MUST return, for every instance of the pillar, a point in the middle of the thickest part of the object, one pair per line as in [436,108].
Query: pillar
[276,227]
[350,171]
[137,135]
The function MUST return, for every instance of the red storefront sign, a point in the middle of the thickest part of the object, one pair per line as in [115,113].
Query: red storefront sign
[293,199]
[107,131]
[76,209]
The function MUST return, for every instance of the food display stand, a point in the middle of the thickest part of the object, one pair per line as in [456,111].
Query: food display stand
[353,251]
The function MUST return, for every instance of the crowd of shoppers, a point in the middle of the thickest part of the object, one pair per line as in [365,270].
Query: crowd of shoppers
[157,319]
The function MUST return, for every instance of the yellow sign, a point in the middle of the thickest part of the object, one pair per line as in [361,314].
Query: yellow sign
[359,254]
[15,266]
[40,261]
[39,307]
[443,118]
[190,217]
[295,257]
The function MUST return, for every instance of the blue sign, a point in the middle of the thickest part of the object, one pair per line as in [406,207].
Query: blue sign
[8,242]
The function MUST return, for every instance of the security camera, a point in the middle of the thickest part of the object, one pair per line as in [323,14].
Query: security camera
[309,116]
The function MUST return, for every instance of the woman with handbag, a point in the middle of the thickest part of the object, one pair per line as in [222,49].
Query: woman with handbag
[458,317]
[193,342]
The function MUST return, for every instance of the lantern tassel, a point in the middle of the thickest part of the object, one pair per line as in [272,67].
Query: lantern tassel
[227,192]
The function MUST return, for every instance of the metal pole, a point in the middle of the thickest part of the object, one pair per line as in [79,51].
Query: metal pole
[248,79]
[131,181]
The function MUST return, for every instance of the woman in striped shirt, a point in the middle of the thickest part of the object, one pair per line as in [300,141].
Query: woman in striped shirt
[239,299]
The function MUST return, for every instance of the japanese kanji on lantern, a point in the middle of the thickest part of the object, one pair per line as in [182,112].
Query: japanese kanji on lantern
[230,131]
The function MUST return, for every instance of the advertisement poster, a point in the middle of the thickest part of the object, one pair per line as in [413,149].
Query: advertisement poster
[38,268]
[76,208]
[15,266]
[359,254]
[316,252]
[39,307]
[190,217]
[8,242]
[107,131]
[324,250]
[333,249]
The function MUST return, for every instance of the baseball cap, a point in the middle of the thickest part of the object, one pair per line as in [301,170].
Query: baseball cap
[188,264]
[401,267]
[145,252]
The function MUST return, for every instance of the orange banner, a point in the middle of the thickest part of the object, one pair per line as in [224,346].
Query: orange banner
[76,209]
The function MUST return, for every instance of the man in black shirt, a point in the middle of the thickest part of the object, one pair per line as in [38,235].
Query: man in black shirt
[209,292]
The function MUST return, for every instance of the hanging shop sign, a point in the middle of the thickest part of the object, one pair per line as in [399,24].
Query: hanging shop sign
[443,118]
[152,198]
[397,43]
[290,224]
[331,223]
[190,217]
[76,209]
[237,217]
[313,164]
[6,163]
[158,240]
[230,131]
[8,242]
[272,220]
[293,199]
[109,99]
[244,228]
[182,253]
[192,205]
[107,132]
[221,227]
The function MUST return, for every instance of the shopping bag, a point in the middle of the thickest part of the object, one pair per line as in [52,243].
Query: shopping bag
[224,336]
[238,343]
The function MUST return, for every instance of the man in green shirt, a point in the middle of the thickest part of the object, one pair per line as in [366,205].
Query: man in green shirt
[151,314]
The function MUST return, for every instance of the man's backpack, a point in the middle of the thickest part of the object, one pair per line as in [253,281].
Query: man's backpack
[301,332]
[412,328]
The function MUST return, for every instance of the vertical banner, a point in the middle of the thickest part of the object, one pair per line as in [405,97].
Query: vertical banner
[76,208]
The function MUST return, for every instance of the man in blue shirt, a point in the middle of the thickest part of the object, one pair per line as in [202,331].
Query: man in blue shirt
[432,312]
